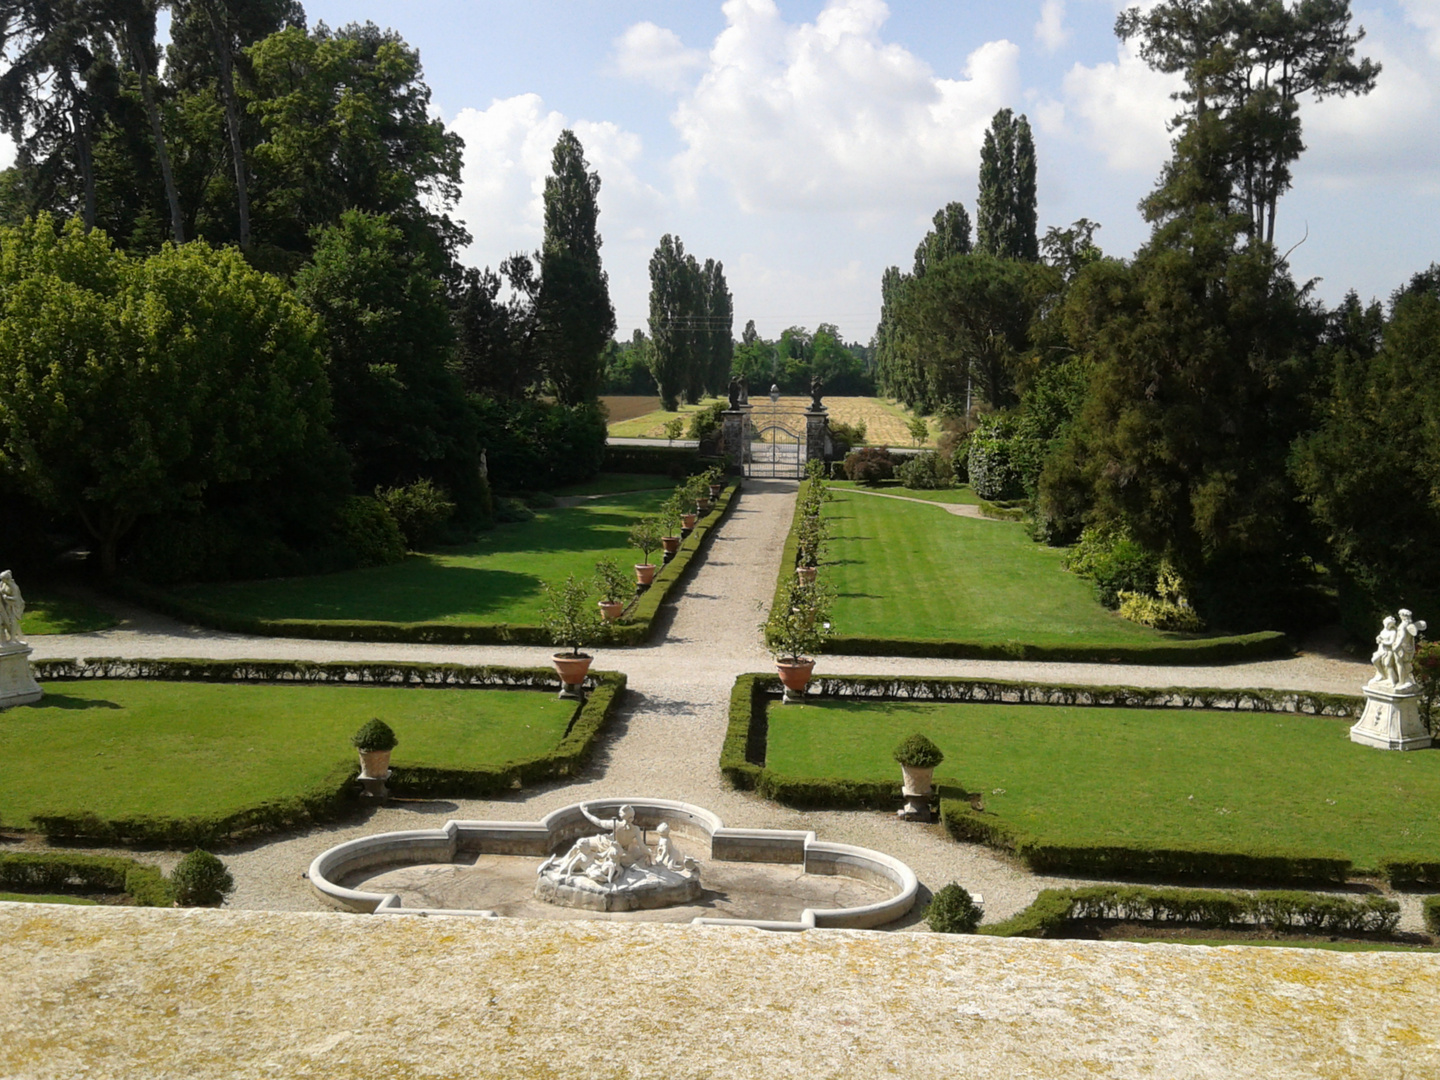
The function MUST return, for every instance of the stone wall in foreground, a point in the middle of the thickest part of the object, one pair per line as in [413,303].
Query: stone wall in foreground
[129,992]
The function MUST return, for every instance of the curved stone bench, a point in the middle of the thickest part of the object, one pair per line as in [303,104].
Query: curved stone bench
[558,829]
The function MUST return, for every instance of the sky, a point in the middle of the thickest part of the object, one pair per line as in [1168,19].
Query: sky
[806,143]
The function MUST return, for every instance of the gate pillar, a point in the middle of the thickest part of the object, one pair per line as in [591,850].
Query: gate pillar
[817,433]
[734,437]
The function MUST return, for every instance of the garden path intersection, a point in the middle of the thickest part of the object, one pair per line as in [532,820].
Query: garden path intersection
[665,743]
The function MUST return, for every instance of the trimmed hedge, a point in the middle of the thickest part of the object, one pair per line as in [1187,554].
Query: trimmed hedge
[1431,911]
[674,461]
[1054,910]
[335,796]
[1410,873]
[742,762]
[1264,645]
[634,629]
[61,872]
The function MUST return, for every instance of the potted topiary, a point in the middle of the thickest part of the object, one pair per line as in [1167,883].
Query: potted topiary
[670,526]
[797,627]
[694,493]
[715,478]
[572,624]
[918,757]
[375,740]
[810,537]
[614,587]
[645,535]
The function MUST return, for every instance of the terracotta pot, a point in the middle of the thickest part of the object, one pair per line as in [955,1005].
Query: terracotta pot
[795,675]
[374,764]
[671,544]
[611,609]
[687,521]
[917,780]
[572,669]
[806,574]
[715,490]
[645,573]
[702,506]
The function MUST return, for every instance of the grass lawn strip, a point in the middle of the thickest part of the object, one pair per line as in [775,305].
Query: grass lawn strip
[123,748]
[1146,778]
[48,614]
[28,898]
[495,580]
[961,495]
[912,582]
[616,484]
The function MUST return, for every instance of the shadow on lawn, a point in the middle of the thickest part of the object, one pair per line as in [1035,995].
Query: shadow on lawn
[65,701]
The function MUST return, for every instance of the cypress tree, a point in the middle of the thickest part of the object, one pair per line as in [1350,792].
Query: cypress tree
[720,323]
[671,307]
[1005,213]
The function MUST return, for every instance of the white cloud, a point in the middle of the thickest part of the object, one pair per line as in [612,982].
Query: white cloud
[1050,30]
[507,158]
[1425,14]
[7,151]
[827,115]
[1121,110]
[653,55]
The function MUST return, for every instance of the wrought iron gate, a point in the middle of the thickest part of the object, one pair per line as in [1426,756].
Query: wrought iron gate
[775,444]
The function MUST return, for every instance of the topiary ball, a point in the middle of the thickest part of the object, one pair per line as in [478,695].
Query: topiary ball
[374,735]
[952,911]
[919,752]
[201,879]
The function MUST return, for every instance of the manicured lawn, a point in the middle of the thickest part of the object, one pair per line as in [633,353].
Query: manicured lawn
[614,483]
[497,579]
[46,614]
[1141,777]
[906,571]
[173,749]
[954,496]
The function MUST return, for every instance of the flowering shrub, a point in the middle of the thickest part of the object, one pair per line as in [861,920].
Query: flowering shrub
[1427,674]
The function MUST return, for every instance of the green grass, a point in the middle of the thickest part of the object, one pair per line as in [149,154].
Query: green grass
[907,571]
[651,425]
[961,494]
[47,614]
[615,483]
[1283,943]
[42,898]
[173,749]
[1155,778]
[497,579]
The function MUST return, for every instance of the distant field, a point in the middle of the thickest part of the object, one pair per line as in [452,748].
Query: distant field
[622,407]
[884,420]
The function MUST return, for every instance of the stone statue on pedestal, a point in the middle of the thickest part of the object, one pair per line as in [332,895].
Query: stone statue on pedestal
[1391,720]
[17,679]
[817,388]
[615,870]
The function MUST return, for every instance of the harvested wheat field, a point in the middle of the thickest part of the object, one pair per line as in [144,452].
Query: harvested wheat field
[622,407]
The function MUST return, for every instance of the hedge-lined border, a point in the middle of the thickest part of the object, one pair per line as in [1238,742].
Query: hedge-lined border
[742,761]
[1264,645]
[1054,910]
[336,795]
[634,630]
[62,872]
[654,460]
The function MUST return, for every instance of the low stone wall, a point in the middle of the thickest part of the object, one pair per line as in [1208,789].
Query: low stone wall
[560,828]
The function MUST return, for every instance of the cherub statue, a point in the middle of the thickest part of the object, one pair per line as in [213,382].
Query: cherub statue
[1407,637]
[619,846]
[1384,656]
[667,855]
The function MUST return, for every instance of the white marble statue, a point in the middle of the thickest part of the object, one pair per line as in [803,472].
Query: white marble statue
[616,871]
[667,854]
[12,607]
[619,846]
[1394,656]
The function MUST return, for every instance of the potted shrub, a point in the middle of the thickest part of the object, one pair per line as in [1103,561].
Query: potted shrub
[694,492]
[715,478]
[670,527]
[810,539]
[797,627]
[374,741]
[572,624]
[918,757]
[645,535]
[614,587]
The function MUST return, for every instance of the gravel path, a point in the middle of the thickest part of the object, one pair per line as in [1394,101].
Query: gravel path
[667,737]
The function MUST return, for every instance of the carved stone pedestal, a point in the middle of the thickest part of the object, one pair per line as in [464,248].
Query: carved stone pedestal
[1391,720]
[17,680]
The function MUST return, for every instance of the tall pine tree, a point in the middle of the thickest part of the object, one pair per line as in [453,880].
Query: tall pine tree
[1006,220]
[950,235]
[720,324]
[574,319]
[672,304]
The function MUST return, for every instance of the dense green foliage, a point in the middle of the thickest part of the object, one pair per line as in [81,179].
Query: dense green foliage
[201,880]
[374,735]
[952,910]
[61,872]
[691,323]
[1005,208]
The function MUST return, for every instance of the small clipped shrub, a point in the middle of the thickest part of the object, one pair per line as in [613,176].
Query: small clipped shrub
[918,752]
[420,509]
[869,466]
[373,735]
[847,435]
[510,511]
[1169,610]
[201,880]
[952,911]
[369,532]
[926,472]
[1431,910]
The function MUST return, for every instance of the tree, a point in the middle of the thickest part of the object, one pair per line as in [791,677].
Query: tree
[346,125]
[491,337]
[1071,250]
[1246,64]
[573,313]
[719,327]
[1005,216]
[672,303]
[399,411]
[949,235]
[696,326]
[134,387]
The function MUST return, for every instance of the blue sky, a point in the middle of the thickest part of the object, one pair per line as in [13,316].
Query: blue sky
[806,144]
